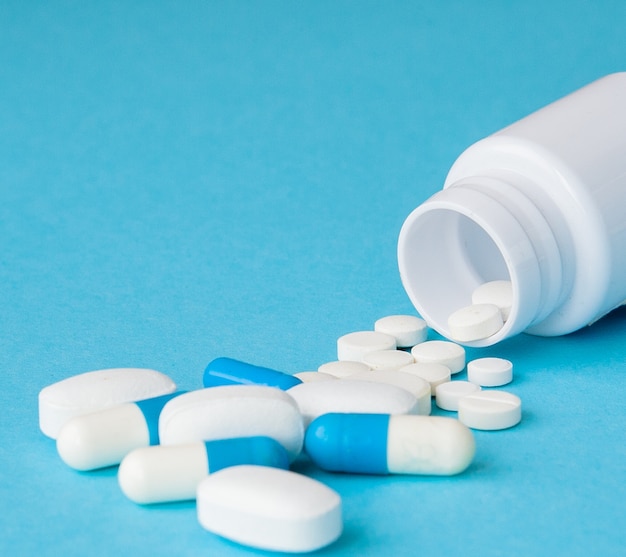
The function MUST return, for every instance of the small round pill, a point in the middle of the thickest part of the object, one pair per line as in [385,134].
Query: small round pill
[388,359]
[308,376]
[490,410]
[443,352]
[354,346]
[447,395]
[435,374]
[343,368]
[498,292]
[475,322]
[407,329]
[490,372]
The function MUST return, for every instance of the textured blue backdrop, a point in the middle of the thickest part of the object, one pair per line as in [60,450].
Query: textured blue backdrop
[181,181]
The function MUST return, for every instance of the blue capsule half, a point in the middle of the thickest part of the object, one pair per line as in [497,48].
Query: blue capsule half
[228,371]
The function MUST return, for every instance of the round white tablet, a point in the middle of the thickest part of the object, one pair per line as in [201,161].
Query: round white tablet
[498,292]
[417,386]
[407,329]
[442,352]
[447,395]
[435,374]
[475,322]
[269,508]
[388,359]
[97,390]
[308,376]
[343,368]
[490,372]
[490,410]
[354,346]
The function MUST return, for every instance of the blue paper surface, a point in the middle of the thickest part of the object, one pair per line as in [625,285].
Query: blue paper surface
[182,181]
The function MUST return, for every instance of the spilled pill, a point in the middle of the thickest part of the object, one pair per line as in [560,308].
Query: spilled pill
[354,346]
[388,359]
[408,330]
[447,395]
[227,371]
[383,444]
[490,372]
[343,368]
[435,374]
[95,390]
[475,322]
[172,473]
[269,508]
[234,411]
[346,395]
[308,376]
[490,410]
[105,437]
[449,354]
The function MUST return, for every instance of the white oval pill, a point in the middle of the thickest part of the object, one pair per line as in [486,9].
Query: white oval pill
[343,368]
[435,374]
[234,411]
[497,292]
[96,390]
[354,346]
[490,410]
[269,508]
[388,359]
[475,322]
[419,388]
[308,376]
[447,395]
[490,372]
[408,330]
[449,354]
[323,397]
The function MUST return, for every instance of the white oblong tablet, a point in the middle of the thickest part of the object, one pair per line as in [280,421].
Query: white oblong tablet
[308,376]
[435,374]
[96,390]
[490,410]
[490,372]
[417,386]
[233,411]
[497,292]
[408,330]
[447,395]
[354,346]
[449,354]
[475,322]
[348,396]
[343,368]
[388,359]
[269,508]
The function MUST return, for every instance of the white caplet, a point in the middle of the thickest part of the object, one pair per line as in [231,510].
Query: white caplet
[163,473]
[435,374]
[102,438]
[343,368]
[348,396]
[309,376]
[490,410]
[96,390]
[269,508]
[354,346]
[234,411]
[428,445]
[447,395]
[417,386]
[475,322]
[490,372]
[388,359]
[497,292]
[408,330]
[443,352]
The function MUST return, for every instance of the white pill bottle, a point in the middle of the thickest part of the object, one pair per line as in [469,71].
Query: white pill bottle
[541,203]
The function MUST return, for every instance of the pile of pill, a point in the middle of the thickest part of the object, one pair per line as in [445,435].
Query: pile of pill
[230,444]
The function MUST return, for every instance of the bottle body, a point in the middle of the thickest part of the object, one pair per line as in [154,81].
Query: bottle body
[540,203]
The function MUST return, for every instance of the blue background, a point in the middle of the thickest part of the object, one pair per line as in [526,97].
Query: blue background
[181,181]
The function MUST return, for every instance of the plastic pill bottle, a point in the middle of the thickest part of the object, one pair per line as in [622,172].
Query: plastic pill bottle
[541,203]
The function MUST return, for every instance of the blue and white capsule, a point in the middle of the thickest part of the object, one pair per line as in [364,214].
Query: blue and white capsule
[172,472]
[389,444]
[227,371]
[105,437]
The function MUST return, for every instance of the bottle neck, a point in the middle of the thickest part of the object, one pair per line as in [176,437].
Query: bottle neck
[478,230]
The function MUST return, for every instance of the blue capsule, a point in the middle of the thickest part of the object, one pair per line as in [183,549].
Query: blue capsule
[227,371]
